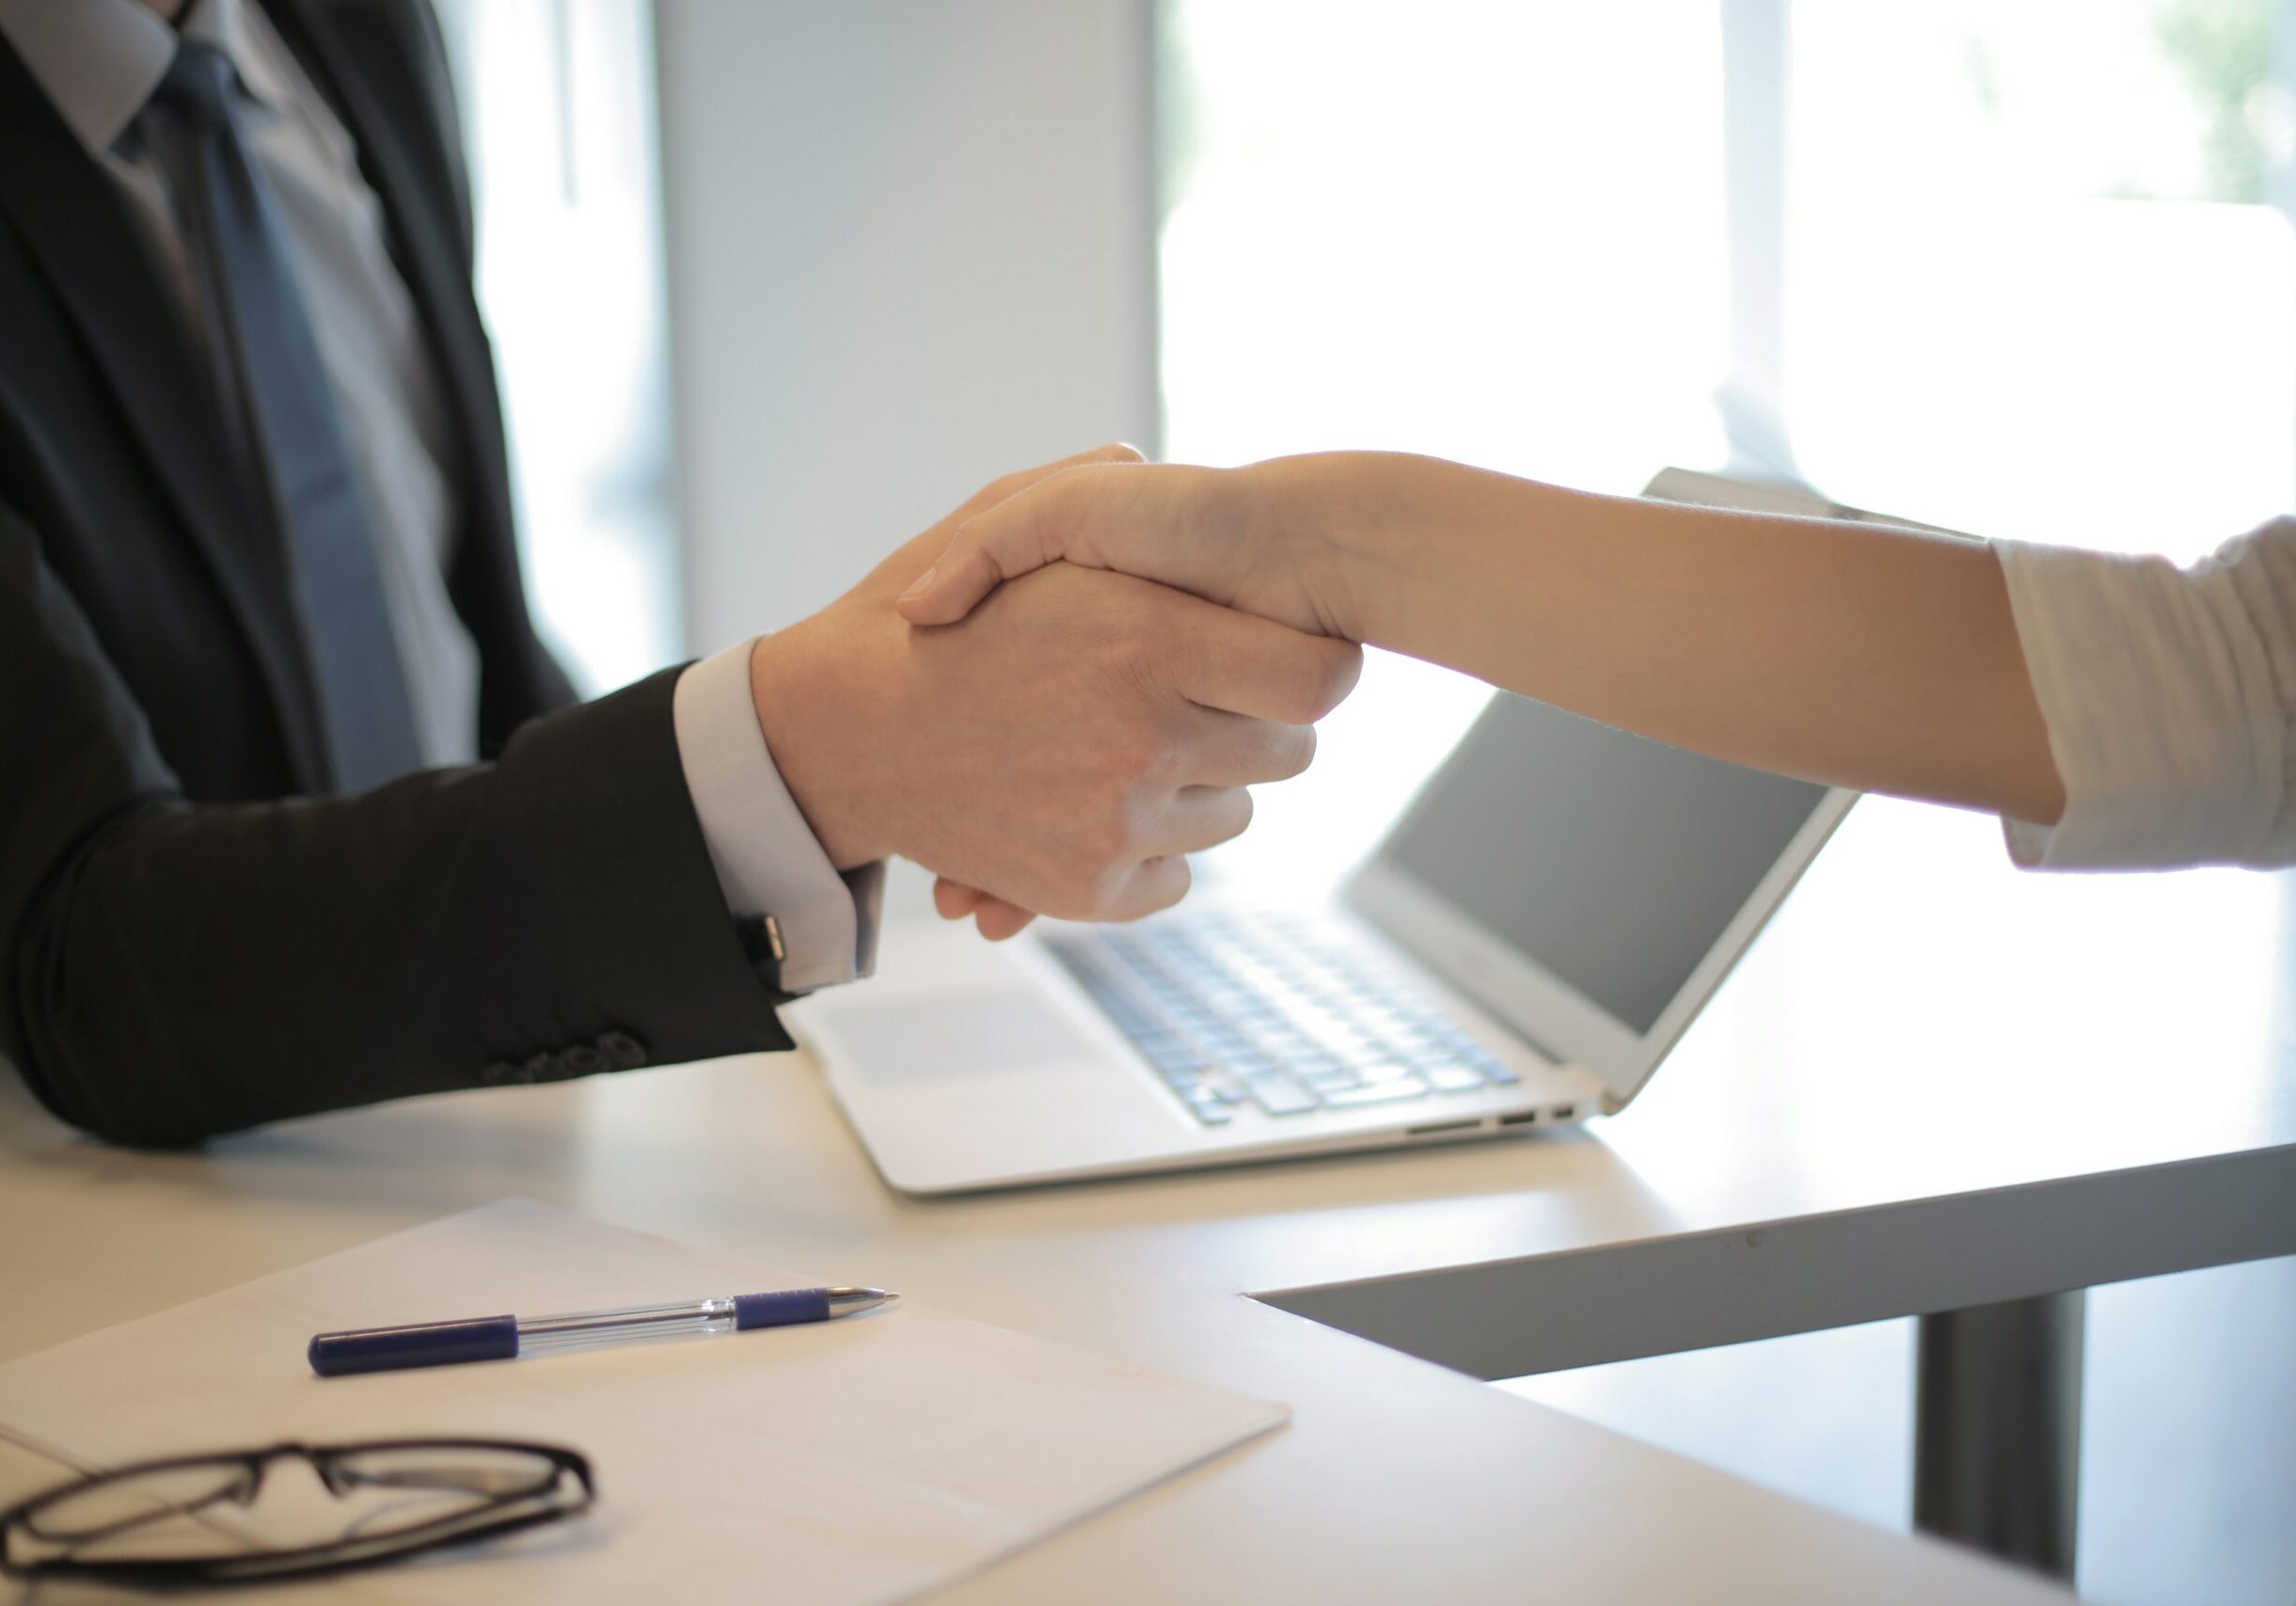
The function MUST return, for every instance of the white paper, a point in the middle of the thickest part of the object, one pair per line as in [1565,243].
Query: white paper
[863,1460]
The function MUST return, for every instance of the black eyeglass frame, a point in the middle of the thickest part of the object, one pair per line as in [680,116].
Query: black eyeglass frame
[497,1515]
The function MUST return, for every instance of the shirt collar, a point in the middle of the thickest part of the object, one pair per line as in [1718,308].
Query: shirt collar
[98,61]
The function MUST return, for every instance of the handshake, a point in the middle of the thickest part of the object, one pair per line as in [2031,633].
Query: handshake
[1046,742]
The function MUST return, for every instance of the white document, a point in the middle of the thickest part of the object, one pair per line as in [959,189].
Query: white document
[862,1461]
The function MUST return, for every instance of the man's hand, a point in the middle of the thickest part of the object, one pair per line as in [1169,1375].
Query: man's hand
[1060,750]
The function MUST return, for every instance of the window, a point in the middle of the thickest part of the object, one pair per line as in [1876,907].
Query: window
[2035,282]
[558,116]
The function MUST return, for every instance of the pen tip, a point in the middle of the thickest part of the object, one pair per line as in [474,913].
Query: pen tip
[851,1302]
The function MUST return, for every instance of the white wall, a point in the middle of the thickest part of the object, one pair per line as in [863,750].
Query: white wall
[910,247]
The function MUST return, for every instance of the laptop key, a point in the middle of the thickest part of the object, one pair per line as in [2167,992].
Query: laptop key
[1455,1078]
[1280,1095]
[1374,1093]
[1385,1070]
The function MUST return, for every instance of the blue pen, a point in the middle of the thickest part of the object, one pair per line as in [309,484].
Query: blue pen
[506,1338]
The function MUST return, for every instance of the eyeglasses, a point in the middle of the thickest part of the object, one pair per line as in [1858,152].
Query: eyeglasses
[195,1519]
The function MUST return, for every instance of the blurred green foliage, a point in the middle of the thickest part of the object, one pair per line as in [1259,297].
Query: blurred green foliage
[2222,49]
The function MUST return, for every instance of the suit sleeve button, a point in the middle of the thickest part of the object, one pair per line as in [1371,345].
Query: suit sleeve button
[622,1051]
[582,1061]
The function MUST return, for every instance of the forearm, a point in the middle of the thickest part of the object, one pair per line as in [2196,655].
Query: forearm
[185,971]
[1853,654]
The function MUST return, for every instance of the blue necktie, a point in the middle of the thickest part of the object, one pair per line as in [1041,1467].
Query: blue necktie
[262,340]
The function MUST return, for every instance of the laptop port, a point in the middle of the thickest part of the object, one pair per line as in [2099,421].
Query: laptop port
[1565,1112]
[1520,1118]
[1440,1126]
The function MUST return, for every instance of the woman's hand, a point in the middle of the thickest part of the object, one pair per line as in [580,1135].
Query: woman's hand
[1240,537]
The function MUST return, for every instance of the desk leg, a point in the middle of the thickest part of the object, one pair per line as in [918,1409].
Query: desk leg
[1997,1429]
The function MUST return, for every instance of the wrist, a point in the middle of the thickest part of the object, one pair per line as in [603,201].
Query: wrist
[798,694]
[1336,522]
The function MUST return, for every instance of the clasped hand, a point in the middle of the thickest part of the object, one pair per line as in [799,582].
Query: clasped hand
[1059,749]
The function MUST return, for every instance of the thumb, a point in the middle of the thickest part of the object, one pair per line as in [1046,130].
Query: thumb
[1022,532]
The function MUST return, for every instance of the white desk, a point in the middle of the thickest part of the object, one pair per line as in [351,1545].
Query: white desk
[1856,1129]
[1934,1083]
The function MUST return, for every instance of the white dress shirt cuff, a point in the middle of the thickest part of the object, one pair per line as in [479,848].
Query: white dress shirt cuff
[767,857]
[2158,694]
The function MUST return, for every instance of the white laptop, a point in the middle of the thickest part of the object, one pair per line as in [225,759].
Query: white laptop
[1531,937]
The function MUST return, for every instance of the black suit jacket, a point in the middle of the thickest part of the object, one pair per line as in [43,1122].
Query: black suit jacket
[194,939]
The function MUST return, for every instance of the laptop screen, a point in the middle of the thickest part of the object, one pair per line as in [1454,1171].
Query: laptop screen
[1614,861]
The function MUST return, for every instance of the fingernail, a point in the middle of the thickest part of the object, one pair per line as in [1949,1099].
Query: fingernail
[921,584]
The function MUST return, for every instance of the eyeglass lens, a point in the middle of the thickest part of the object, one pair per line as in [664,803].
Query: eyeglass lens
[202,1511]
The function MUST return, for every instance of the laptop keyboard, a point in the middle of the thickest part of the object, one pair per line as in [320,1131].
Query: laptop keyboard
[1257,1011]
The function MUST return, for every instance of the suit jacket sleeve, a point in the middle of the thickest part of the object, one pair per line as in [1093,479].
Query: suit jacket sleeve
[174,971]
